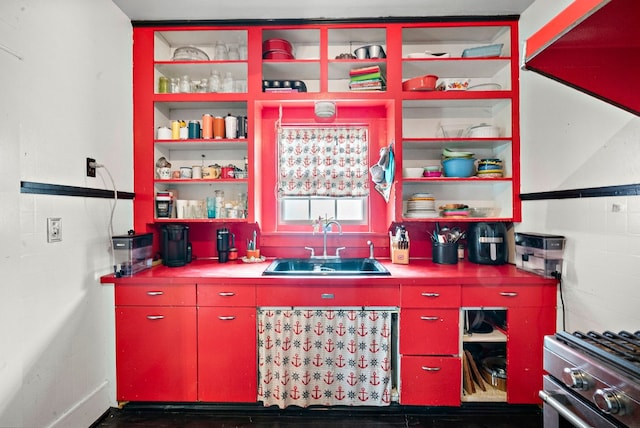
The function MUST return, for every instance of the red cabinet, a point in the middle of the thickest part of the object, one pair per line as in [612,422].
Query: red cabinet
[430,380]
[156,357]
[324,293]
[430,331]
[430,369]
[529,312]
[227,367]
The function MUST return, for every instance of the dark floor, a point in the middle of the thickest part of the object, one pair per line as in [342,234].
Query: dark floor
[201,416]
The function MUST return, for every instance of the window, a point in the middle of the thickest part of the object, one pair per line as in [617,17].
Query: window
[323,172]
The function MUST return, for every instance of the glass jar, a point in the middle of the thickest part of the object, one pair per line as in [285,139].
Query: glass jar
[219,202]
[214,81]
[163,85]
[185,84]
[227,83]
[221,52]
[174,85]
[203,86]
[234,53]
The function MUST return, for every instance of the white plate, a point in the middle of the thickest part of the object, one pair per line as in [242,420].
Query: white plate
[428,54]
[485,87]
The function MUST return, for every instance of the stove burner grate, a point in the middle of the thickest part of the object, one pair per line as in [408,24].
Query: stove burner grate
[619,349]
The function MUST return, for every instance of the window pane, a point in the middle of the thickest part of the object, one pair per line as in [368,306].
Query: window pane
[350,209]
[295,209]
[322,208]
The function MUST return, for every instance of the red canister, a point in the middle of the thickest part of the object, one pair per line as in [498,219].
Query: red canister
[227,172]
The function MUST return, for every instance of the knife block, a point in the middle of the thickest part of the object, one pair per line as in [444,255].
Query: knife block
[399,255]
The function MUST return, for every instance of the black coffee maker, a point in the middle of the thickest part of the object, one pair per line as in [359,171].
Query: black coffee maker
[487,243]
[222,237]
[176,248]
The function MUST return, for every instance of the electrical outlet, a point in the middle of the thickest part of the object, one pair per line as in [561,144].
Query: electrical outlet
[54,229]
[91,170]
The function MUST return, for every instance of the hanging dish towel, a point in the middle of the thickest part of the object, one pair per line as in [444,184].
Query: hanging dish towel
[383,172]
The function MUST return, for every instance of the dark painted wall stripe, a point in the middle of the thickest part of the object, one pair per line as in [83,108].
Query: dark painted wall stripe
[60,190]
[274,22]
[588,192]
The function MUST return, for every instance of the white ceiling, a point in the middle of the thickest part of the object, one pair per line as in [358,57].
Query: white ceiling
[161,10]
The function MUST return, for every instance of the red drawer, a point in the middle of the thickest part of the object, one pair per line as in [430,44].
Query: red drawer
[328,295]
[514,295]
[155,295]
[226,295]
[430,296]
[430,381]
[429,331]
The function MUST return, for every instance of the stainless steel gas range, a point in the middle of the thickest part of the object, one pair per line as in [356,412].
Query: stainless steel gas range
[593,380]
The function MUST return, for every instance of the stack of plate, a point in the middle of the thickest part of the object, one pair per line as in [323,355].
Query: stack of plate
[421,205]
[454,210]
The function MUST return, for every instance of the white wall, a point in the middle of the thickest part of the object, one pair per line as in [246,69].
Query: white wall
[571,140]
[66,95]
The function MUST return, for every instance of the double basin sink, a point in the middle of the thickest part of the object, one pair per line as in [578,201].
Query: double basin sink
[325,267]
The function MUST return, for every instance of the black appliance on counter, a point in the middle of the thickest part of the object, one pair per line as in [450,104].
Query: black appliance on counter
[593,380]
[222,244]
[176,248]
[487,243]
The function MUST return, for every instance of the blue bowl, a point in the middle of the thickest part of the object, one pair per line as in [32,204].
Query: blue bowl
[459,167]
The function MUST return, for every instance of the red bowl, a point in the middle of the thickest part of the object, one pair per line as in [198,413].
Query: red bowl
[421,83]
[277,54]
[276,45]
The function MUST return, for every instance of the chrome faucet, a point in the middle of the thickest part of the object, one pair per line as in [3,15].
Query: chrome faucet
[326,228]
[370,244]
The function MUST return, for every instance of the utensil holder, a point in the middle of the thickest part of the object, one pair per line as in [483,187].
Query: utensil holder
[444,253]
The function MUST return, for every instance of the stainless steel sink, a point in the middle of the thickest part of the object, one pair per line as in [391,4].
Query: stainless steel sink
[325,267]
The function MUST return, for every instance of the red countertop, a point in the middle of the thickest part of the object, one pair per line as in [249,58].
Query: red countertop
[421,271]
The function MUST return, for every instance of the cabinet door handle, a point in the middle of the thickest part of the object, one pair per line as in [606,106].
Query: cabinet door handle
[226,294]
[226,318]
[431,294]
[426,318]
[431,369]
[155,293]
[155,317]
[508,293]
[327,296]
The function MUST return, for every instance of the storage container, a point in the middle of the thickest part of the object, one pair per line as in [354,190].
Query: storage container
[540,253]
[132,253]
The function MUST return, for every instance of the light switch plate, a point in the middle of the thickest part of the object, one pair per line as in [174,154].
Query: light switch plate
[54,229]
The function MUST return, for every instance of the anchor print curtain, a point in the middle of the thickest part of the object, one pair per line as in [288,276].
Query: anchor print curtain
[324,357]
[332,162]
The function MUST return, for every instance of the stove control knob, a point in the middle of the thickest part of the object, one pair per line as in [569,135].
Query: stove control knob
[575,378]
[609,401]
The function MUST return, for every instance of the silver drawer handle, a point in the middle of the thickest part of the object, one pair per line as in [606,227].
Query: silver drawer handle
[426,318]
[226,294]
[155,317]
[431,294]
[508,294]
[226,318]
[327,296]
[431,369]
[155,293]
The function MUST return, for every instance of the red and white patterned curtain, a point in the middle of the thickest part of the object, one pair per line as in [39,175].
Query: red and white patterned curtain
[330,161]
[324,357]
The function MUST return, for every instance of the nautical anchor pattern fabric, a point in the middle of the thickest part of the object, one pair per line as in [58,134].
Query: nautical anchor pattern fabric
[324,357]
[328,162]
